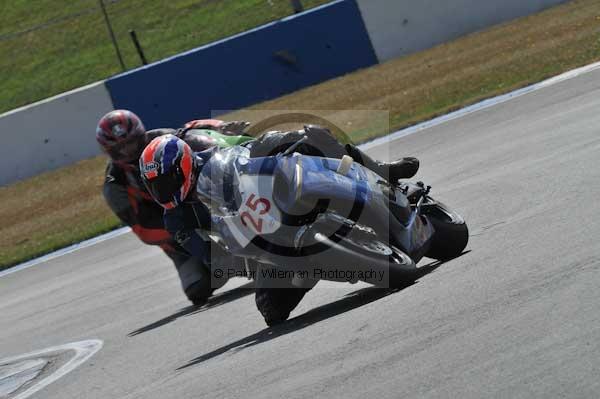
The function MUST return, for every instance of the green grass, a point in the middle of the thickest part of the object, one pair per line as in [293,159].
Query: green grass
[51,46]
[65,206]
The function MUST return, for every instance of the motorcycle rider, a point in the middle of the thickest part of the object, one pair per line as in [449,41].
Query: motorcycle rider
[122,136]
[170,169]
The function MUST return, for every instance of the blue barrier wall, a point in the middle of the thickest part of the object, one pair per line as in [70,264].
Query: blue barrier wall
[258,65]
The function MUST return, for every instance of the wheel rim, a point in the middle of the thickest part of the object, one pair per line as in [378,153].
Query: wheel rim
[400,258]
[371,246]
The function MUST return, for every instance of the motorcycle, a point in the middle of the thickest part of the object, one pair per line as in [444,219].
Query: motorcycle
[322,218]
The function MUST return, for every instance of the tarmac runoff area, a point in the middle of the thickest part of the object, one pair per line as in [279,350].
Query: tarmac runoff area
[515,316]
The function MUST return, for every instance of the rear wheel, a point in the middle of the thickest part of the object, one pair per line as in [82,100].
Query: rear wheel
[451,232]
[276,304]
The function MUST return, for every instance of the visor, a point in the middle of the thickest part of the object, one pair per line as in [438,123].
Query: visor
[165,188]
[128,150]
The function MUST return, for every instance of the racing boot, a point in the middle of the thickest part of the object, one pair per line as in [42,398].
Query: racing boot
[202,280]
[199,292]
[195,278]
[404,168]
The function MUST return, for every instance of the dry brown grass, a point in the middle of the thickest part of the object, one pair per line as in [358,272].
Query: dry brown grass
[53,210]
[61,207]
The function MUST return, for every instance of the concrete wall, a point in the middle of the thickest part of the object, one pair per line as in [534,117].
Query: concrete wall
[400,27]
[51,133]
[258,65]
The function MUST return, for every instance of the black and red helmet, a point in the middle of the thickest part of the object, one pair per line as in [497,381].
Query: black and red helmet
[121,135]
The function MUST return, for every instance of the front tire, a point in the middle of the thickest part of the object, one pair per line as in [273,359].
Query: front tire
[451,232]
[367,254]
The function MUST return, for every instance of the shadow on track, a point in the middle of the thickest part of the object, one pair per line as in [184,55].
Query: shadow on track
[213,302]
[349,302]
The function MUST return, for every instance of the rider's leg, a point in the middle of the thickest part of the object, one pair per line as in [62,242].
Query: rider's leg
[194,277]
[400,169]
[404,168]
[320,142]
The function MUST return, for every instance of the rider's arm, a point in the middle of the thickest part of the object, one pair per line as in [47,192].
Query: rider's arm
[233,128]
[177,223]
[204,124]
[115,194]
[143,215]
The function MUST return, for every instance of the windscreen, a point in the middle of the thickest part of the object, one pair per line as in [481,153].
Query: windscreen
[219,177]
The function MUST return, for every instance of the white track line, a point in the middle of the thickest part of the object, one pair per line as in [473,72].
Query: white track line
[83,351]
[479,106]
[366,146]
[64,251]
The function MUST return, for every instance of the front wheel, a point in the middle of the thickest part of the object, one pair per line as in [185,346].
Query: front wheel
[389,266]
[451,232]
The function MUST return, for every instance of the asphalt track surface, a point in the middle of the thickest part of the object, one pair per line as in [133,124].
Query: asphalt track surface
[517,316]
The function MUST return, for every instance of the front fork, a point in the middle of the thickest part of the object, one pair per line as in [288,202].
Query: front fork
[409,229]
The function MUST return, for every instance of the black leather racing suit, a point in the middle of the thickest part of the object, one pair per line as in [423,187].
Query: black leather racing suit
[128,198]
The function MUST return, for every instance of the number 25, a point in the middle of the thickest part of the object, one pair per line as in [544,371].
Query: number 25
[250,203]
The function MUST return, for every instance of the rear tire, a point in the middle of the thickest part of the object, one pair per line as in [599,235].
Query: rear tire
[276,304]
[451,233]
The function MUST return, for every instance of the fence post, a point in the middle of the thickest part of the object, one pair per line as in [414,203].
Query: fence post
[297,6]
[112,35]
[138,47]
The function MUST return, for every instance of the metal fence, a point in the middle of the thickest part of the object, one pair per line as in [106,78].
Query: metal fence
[50,46]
